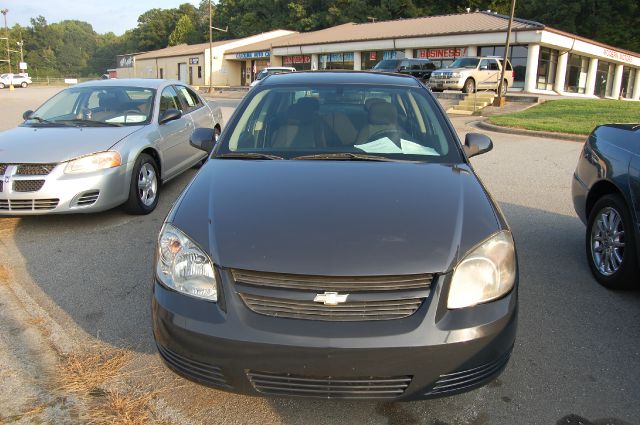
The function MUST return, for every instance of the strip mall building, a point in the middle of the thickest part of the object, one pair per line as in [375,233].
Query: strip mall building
[545,60]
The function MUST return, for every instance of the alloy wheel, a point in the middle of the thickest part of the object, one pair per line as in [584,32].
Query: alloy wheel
[147,184]
[607,241]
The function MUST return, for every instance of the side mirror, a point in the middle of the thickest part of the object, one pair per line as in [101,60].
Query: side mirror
[476,144]
[203,139]
[170,115]
[27,114]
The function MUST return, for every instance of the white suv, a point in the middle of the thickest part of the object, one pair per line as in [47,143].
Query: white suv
[20,80]
[472,73]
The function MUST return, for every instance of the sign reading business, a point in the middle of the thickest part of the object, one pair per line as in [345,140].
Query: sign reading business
[253,55]
[446,53]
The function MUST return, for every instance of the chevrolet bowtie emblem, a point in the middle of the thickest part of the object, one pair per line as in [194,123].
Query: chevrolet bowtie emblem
[331,298]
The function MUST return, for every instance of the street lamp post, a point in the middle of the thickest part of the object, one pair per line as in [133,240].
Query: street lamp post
[500,100]
[6,29]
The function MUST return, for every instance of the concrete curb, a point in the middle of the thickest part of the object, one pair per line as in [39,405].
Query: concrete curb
[522,132]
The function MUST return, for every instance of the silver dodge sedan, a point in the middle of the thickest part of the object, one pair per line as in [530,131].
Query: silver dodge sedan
[101,144]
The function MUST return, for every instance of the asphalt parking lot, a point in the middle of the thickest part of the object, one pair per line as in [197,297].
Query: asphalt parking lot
[578,345]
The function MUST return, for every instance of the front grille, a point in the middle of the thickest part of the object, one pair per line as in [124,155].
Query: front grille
[34,169]
[349,311]
[27,185]
[467,379]
[87,199]
[28,204]
[278,384]
[198,371]
[331,283]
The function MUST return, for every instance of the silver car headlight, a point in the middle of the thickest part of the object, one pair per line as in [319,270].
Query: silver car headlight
[183,266]
[486,273]
[94,162]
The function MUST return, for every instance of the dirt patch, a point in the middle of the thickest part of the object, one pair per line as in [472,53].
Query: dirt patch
[4,275]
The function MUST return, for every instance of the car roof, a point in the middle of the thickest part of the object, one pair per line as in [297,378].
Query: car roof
[151,83]
[341,77]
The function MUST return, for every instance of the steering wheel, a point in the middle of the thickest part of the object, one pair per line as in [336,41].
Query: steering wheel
[393,134]
[131,111]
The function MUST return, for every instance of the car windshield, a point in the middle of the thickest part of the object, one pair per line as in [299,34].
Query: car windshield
[389,64]
[383,122]
[96,107]
[465,63]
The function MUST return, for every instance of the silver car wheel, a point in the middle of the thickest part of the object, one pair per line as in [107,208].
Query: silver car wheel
[147,184]
[607,241]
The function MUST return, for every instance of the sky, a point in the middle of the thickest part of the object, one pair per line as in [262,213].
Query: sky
[116,16]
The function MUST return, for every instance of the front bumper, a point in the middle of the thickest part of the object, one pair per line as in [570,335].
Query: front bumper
[64,193]
[446,84]
[432,353]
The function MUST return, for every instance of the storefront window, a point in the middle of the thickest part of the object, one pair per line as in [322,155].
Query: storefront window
[517,56]
[604,79]
[371,58]
[336,61]
[299,62]
[576,77]
[441,58]
[547,66]
[628,79]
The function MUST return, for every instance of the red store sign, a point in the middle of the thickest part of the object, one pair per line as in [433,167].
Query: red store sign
[452,52]
[290,60]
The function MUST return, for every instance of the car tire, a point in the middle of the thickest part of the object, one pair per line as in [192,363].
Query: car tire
[1,85]
[24,85]
[616,267]
[505,86]
[144,185]
[469,86]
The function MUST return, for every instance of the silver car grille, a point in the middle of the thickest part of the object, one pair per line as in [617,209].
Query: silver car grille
[285,384]
[367,297]
[28,204]
[30,169]
[27,185]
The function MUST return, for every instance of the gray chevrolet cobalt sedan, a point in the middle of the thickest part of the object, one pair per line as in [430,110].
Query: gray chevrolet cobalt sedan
[337,244]
[101,144]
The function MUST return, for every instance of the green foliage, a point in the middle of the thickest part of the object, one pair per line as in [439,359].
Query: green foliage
[73,48]
[576,116]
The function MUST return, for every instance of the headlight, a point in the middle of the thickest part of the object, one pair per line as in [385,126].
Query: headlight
[183,266]
[456,75]
[486,273]
[94,162]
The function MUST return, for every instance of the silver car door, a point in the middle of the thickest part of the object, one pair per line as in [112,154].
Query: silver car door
[174,134]
[200,117]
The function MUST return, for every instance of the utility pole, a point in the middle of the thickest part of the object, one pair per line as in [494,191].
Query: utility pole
[6,30]
[500,100]
[210,50]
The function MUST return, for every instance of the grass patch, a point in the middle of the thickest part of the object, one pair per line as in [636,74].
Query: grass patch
[575,116]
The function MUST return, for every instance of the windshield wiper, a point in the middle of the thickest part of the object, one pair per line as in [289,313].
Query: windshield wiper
[43,121]
[348,156]
[248,155]
[90,123]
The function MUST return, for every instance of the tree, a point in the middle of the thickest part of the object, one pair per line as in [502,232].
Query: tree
[184,32]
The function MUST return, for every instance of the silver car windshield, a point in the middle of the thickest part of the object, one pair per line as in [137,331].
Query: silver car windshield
[465,63]
[392,122]
[96,107]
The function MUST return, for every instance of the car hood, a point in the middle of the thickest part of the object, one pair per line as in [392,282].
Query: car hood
[454,69]
[57,144]
[335,218]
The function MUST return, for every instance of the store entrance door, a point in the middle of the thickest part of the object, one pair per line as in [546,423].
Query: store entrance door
[243,73]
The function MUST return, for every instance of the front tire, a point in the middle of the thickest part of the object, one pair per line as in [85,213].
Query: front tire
[611,245]
[24,85]
[2,85]
[505,86]
[143,189]
[469,86]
